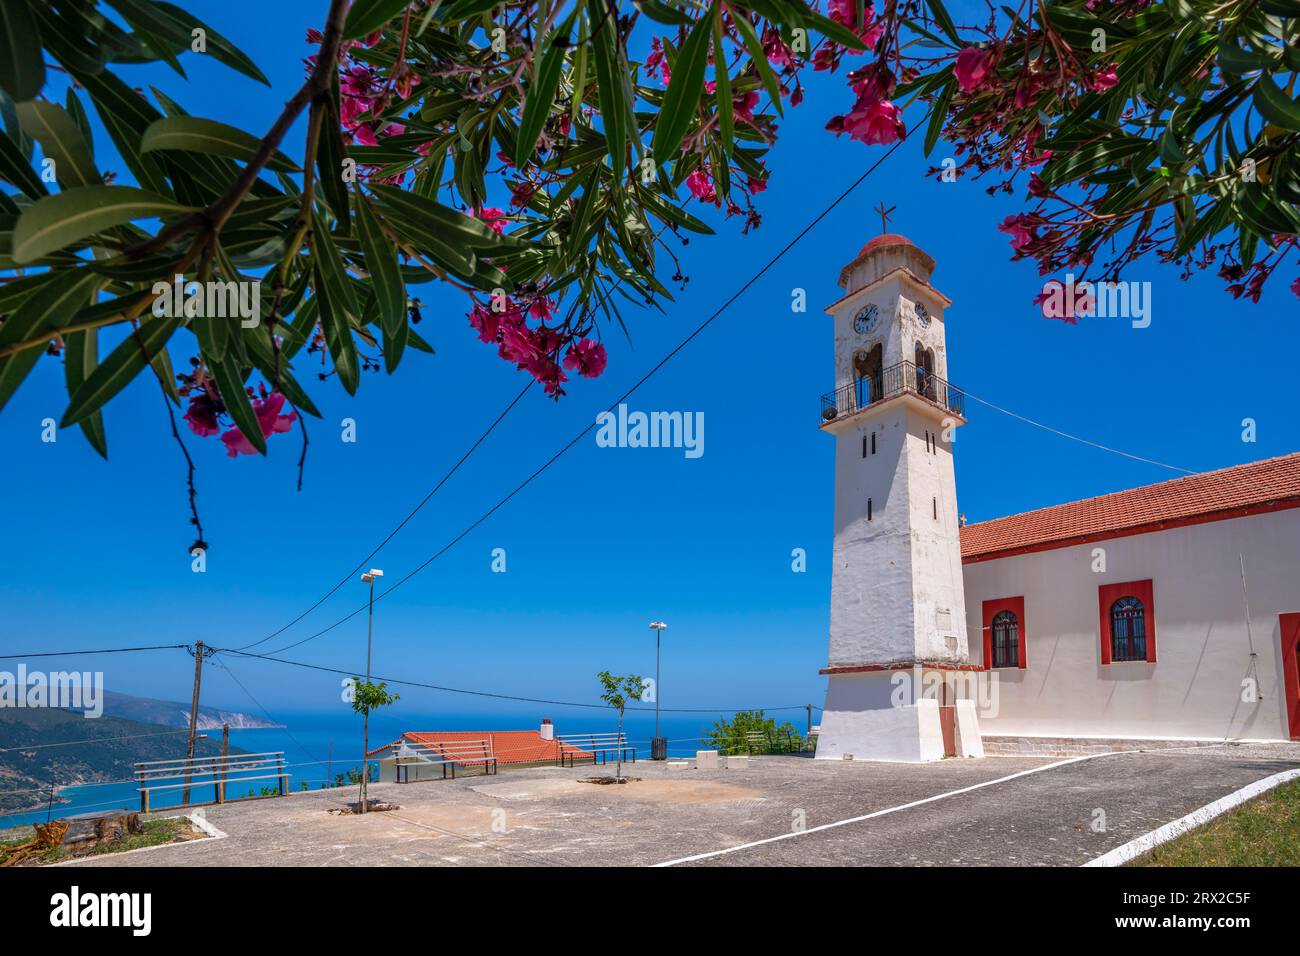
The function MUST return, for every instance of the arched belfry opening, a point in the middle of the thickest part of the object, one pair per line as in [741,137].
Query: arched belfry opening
[867,367]
[925,371]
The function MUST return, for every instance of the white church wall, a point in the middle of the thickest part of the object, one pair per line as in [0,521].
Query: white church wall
[1194,689]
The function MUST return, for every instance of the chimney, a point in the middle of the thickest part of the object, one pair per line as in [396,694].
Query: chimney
[548,729]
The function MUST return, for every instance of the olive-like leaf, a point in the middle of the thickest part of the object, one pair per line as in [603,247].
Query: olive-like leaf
[62,141]
[57,221]
[120,367]
[195,135]
[22,67]
[684,89]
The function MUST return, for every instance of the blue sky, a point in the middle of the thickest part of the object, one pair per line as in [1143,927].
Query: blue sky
[94,553]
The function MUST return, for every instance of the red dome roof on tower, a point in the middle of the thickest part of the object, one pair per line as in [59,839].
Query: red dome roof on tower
[888,239]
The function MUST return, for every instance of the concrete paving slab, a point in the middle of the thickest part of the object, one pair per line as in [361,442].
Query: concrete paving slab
[546,817]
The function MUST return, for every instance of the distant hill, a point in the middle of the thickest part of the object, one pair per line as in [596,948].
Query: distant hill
[172,713]
[89,755]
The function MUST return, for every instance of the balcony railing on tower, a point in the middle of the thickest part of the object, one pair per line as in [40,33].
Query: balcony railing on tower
[896,380]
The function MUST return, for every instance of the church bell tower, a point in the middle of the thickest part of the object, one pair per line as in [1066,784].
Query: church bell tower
[898,614]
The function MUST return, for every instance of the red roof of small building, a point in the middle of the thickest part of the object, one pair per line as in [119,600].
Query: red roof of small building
[508,746]
[1259,486]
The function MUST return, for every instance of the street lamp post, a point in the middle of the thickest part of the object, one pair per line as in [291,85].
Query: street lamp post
[368,578]
[658,747]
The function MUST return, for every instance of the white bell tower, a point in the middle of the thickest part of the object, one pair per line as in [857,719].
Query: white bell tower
[898,649]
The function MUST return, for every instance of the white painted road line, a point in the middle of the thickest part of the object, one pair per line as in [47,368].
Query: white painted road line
[1149,841]
[881,813]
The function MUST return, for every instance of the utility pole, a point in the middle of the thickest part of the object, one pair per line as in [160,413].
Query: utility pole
[809,734]
[194,720]
[225,754]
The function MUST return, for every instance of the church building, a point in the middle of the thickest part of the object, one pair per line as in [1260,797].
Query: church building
[1169,612]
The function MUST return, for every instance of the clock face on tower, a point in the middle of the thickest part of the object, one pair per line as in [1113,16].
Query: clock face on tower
[866,319]
[922,315]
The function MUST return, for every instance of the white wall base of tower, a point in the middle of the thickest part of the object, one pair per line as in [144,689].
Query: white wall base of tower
[874,716]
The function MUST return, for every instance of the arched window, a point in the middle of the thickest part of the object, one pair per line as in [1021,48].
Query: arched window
[866,375]
[924,371]
[1128,630]
[1006,639]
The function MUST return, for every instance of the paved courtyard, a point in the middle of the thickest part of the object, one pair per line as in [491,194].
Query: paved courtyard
[547,817]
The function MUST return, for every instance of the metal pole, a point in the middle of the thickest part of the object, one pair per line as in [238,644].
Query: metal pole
[365,732]
[658,632]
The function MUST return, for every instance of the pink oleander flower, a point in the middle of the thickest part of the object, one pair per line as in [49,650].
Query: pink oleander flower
[876,123]
[972,67]
[775,49]
[521,194]
[743,105]
[701,186]
[201,415]
[587,358]
[1021,234]
[269,420]
[541,308]
[545,370]
[493,217]
[485,322]
[657,61]
[517,343]
[1295,287]
[845,12]
[1105,79]
[874,82]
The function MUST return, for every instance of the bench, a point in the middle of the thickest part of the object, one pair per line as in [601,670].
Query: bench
[447,753]
[576,747]
[216,772]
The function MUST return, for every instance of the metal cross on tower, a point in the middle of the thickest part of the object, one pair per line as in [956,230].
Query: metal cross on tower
[884,216]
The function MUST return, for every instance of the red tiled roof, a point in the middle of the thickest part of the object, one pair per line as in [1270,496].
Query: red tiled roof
[1258,486]
[508,746]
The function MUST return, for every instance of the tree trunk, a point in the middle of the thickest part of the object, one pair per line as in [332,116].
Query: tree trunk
[365,746]
[618,749]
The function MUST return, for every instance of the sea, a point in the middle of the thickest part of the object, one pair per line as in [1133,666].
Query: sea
[317,747]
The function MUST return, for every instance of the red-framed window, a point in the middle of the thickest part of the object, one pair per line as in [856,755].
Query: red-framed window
[1004,633]
[1127,622]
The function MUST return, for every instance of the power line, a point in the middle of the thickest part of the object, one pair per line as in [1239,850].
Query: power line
[484,693]
[1085,441]
[102,650]
[226,667]
[402,524]
[613,405]
[90,740]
